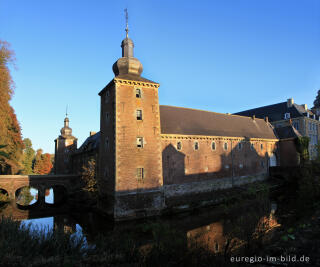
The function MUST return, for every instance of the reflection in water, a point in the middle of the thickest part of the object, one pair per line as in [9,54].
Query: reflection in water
[49,196]
[26,196]
[214,236]
[211,229]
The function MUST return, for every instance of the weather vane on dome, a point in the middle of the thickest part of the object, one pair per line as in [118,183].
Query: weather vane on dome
[67,111]
[127,29]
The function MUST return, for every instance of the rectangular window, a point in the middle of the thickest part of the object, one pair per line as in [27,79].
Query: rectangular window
[139,115]
[138,93]
[140,173]
[140,142]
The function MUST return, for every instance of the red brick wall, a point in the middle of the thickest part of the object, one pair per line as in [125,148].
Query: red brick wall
[189,165]
[128,156]
[106,162]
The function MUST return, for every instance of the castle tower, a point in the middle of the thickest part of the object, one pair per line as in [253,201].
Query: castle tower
[65,144]
[130,163]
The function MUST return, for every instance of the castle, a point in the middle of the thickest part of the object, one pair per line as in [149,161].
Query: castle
[152,157]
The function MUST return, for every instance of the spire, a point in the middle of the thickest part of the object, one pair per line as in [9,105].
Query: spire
[66,130]
[127,64]
[127,29]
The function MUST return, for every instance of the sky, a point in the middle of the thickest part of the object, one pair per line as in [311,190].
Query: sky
[219,55]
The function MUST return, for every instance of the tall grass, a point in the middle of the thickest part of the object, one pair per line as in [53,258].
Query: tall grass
[23,245]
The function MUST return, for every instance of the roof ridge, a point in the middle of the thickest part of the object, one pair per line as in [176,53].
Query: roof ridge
[247,110]
[226,114]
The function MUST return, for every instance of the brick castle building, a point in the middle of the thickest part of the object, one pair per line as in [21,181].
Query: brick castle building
[152,157]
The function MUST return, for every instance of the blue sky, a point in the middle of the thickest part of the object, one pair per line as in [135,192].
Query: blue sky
[223,56]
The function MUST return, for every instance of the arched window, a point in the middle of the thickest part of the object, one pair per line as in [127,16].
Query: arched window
[239,146]
[196,145]
[179,145]
[213,145]
[225,146]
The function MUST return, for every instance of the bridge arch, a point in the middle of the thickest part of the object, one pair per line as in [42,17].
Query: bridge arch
[60,194]
[26,196]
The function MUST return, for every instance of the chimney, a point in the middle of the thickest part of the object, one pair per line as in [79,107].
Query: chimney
[92,133]
[305,106]
[266,119]
[290,102]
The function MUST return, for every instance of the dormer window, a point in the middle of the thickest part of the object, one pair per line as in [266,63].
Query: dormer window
[138,93]
[287,116]
[139,115]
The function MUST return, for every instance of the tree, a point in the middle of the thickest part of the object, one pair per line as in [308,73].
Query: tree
[88,176]
[42,163]
[316,102]
[28,156]
[46,163]
[37,162]
[10,131]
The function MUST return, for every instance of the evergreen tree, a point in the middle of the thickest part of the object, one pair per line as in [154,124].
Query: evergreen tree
[28,156]
[316,102]
[10,132]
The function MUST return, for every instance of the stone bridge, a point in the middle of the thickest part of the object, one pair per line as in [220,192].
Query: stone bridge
[12,183]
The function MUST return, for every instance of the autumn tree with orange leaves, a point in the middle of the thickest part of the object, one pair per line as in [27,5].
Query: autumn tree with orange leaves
[42,163]
[10,132]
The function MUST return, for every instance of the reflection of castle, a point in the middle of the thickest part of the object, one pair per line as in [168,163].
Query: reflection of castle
[151,157]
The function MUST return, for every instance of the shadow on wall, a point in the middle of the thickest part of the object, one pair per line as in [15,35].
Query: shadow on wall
[245,160]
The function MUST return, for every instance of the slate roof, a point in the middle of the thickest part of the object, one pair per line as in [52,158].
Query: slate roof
[287,132]
[276,112]
[185,121]
[91,143]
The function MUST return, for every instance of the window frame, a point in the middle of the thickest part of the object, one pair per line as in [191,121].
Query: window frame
[139,118]
[287,116]
[177,145]
[140,174]
[225,146]
[196,145]
[215,147]
[138,92]
[252,146]
[140,140]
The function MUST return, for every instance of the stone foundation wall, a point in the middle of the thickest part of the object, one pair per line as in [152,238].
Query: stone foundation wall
[179,195]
